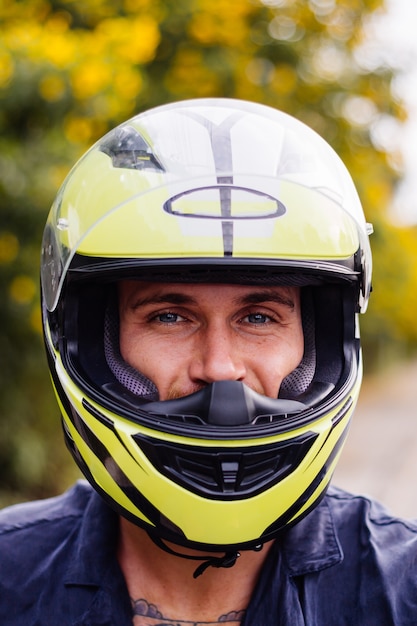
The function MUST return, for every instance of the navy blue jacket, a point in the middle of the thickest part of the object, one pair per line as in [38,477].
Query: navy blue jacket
[348,563]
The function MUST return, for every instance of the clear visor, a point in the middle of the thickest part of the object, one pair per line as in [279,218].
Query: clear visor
[184,147]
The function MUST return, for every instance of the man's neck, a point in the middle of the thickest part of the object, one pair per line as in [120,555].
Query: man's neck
[162,587]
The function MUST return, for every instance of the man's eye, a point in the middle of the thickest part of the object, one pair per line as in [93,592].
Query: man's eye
[169,318]
[257,318]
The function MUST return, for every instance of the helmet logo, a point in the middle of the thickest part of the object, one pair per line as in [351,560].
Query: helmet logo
[225,202]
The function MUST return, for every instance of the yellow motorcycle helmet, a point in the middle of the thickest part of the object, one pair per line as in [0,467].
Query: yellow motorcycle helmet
[206,191]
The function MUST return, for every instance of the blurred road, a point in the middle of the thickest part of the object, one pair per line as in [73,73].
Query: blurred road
[380,455]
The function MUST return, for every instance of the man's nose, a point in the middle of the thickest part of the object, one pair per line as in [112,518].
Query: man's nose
[217,357]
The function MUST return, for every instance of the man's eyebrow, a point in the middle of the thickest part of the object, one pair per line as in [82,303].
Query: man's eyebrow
[257,296]
[268,295]
[163,298]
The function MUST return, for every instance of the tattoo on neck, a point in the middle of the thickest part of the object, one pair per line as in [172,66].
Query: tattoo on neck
[146,614]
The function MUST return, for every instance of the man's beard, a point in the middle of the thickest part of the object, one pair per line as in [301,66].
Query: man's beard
[175,392]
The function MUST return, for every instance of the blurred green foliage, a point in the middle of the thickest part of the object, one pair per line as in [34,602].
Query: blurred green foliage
[72,69]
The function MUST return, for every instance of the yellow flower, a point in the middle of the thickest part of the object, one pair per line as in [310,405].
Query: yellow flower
[6,68]
[127,83]
[22,289]
[78,129]
[90,78]
[284,79]
[9,247]
[52,87]
[133,39]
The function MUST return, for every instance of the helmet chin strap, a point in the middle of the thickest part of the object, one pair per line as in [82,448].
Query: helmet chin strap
[227,560]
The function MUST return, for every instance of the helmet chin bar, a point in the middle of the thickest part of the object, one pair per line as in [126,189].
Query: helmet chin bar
[225,403]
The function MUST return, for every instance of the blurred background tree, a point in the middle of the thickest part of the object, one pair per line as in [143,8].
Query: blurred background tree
[72,69]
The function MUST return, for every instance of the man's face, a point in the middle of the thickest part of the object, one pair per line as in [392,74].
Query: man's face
[184,336]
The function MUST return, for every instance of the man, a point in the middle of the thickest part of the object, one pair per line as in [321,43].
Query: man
[203,268]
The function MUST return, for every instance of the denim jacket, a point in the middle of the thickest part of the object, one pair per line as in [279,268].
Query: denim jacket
[348,563]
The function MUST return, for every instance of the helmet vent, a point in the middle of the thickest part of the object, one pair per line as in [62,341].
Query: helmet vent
[129,150]
[215,472]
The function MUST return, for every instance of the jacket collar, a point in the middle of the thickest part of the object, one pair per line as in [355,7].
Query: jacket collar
[312,544]
[96,548]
